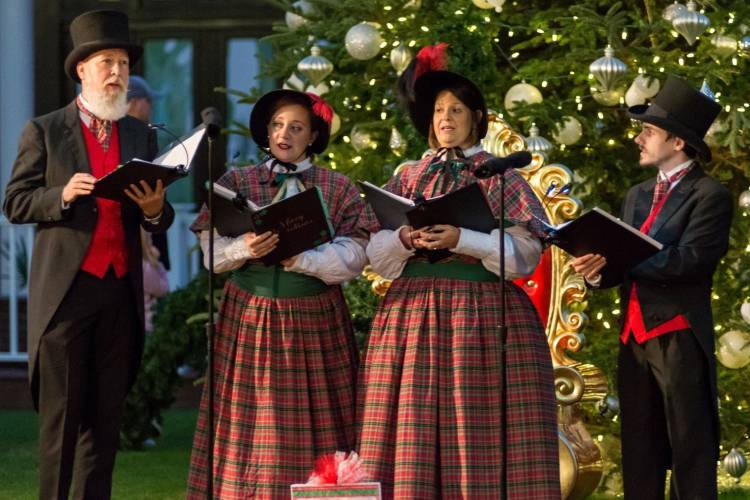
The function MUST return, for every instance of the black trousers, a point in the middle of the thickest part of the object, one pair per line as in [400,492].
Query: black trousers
[84,365]
[667,419]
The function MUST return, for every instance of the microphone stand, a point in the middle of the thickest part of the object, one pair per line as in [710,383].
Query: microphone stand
[212,131]
[502,331]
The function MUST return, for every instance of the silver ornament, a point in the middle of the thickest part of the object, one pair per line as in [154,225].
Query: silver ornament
[745,311]
[401,56]
[360,140]
[745,199]
[315,67]
[725,45]
[744,43]
[706,90]
[671,11]
[689,23]
[363,41]
[608,406]
[535,143]
[397,142]
[608,70]
[293,20]
[735,463]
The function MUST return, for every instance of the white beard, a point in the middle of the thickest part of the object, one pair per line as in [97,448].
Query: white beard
[108,106]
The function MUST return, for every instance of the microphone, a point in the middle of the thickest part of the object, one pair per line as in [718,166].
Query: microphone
[212,120]
[496,166]
[163,128]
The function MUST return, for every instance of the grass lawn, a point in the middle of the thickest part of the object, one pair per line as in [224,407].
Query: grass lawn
[159,473]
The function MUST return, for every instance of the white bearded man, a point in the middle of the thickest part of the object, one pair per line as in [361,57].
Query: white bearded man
[85,309]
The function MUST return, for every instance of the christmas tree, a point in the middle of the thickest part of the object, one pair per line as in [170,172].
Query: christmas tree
[564,71]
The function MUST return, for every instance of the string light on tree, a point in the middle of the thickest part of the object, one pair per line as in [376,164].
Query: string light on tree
[689,23]
[363,41]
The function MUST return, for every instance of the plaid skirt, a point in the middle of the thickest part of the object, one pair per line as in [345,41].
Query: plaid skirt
[284,393]
[430,403]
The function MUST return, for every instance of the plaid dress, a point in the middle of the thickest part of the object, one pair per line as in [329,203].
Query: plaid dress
[285,368]
[429,400]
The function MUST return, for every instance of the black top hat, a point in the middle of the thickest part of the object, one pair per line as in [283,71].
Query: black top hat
[260,116]
[681,110]
[98,30]
[430,84]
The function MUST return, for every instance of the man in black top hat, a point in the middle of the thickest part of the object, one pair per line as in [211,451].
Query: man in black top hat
[666,364]
[86,285]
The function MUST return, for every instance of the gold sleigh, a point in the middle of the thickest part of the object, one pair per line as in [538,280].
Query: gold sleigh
[563,292]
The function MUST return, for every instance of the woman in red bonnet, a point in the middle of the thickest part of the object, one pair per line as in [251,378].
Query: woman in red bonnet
[285,355]
[430,405]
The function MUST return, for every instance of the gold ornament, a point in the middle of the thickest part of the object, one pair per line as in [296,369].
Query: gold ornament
[608,97]
[689,23]
[490,4]
[360,140]
[335,124]
[734,349]
[315,67]
[725,45]
[569,131]
[401,56]
[745,311]
[744,200]
[522,92]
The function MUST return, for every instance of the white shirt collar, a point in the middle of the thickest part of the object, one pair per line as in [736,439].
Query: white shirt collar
[468,152]
[301,166]
[84,117]
[667,175]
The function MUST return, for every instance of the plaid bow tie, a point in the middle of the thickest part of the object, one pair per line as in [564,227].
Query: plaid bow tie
[662,187]
[102,129]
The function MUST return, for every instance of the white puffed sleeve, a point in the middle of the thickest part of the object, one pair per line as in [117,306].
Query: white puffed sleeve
[522,250]
[333,263]
[387,254]
[229,253]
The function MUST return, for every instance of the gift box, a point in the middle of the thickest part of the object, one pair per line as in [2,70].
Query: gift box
[359,491]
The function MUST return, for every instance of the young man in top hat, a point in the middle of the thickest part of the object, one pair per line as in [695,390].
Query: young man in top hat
[85,290]
[666,364]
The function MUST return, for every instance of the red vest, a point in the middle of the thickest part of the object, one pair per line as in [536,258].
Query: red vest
[634,315]
[107,245]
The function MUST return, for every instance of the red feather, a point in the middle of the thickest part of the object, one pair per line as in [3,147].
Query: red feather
[326,469]
[431,58]
[321,108]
